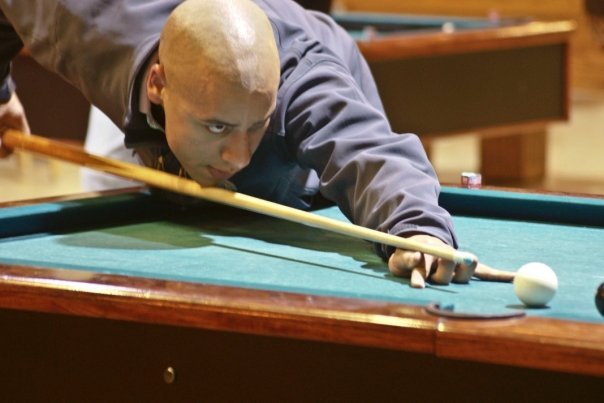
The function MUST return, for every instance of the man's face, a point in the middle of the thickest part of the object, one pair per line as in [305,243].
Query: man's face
[214,130]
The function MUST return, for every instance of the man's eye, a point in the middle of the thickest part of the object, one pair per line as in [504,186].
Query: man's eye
[217,128]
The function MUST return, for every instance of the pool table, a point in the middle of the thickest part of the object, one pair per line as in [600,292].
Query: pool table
[504,79]
[121,296]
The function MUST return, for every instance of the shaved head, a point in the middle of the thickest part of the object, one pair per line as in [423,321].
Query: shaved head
[208,40]
[217,81]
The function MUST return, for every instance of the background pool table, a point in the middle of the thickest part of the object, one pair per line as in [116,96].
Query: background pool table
[505,79]
[121,297]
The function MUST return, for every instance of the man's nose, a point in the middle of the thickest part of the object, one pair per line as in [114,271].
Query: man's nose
[237,151]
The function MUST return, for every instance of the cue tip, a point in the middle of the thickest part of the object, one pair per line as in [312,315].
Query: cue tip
[466,258]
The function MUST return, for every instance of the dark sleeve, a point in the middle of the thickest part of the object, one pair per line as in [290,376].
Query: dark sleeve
[10,45]
[379,179]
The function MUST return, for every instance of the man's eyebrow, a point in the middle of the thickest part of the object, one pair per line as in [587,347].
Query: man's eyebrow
[212,121]
[215,121]
[261,122]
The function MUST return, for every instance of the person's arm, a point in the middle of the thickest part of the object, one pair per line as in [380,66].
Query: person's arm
[379,179]
[12,114]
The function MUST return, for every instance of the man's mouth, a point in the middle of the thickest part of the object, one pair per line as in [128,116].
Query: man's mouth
[218,174]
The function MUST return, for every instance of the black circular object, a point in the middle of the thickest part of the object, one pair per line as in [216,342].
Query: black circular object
[600,299]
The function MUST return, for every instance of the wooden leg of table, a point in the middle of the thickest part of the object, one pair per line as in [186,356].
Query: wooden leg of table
[513,159]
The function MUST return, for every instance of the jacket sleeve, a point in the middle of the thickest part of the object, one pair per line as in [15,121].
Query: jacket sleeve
[10,45]
[379,179]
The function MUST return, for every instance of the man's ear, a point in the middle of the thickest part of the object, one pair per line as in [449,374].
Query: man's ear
[156,82]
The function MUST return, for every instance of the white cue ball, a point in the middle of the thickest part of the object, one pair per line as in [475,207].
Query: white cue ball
[535,284]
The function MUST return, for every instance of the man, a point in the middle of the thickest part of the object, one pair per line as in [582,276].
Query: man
[263,97]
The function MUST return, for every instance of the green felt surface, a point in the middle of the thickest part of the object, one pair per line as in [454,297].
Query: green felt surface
[220,245]
[382,24]
[393,21]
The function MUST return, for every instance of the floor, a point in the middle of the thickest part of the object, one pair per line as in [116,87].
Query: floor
[575,159]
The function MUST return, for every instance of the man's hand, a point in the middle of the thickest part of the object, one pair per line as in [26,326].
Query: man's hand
[12,116]
[420,267]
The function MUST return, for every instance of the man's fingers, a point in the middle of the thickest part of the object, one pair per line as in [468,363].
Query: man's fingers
[418,278]
[421,267]
[464,273]
[401,263]
[12,116]
[409,264]
[445,270]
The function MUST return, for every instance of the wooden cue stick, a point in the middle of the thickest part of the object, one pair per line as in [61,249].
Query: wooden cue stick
[164,180]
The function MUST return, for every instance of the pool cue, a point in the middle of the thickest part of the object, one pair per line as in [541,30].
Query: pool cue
[163,180]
